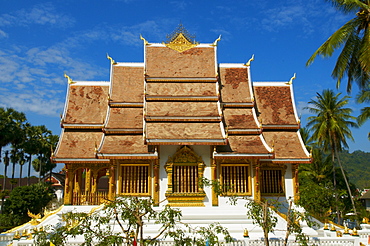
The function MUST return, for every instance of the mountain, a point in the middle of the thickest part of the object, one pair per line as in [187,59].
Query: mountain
[357,166]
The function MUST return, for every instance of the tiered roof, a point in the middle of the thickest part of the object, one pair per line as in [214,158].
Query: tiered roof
[180,95]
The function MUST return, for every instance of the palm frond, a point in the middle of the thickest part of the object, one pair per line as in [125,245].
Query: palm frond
[336,40]
[347,6]
[364,58]
[364,115]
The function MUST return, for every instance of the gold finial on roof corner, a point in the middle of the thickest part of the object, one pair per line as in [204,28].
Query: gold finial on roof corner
[216,41]
[180,40]
[70,81]
[291,79]
[112,62]
[145,42]
[248,64]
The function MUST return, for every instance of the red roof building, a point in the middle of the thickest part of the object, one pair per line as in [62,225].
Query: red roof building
[158,127]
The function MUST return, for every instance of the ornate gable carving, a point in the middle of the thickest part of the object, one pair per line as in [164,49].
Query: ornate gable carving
[185,155]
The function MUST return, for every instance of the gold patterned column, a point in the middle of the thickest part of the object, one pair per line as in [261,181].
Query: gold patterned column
[213,178]
[156,182]
[169,168]
[295,182]
[256,180]
[69,187]
[112,183]
[94,181]
[88,180]
[77,182]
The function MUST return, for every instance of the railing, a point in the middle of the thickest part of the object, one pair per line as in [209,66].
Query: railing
[88,198]
[247,242]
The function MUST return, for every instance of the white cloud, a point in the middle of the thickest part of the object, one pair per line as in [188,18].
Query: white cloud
[3,34]
[41,14]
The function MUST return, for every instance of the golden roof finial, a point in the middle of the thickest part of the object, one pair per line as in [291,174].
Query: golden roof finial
[249,61]
[180,40]
[291,79]
[216,41]
[112,62]
[145,42]
[70,81]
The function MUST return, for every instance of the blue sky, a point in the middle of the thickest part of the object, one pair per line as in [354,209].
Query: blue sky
[40,40]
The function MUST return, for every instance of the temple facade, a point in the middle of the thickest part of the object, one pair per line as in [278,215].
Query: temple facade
[158,127]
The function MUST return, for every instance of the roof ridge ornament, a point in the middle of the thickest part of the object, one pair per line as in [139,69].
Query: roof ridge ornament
[216,41]
[291,79]
[70,81]
[248,64]
[145,42]
[112,62]
[180,40]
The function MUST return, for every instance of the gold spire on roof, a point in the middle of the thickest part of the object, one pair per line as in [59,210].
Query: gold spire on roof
[216,41]
[70,81]
[111,60]
[249,61]
[145,42]
[291,79]
[180,40]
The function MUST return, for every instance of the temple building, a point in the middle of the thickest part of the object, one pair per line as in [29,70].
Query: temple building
[158,127]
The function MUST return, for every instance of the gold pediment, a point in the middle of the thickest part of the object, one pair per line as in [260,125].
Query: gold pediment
[180,43]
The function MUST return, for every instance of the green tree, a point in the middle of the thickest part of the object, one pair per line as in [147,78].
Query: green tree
[130,214]
[262,214]
[11,129]
[6,165]
[364,97]
[354,38]
[22,199]
[330,126]
[41,143]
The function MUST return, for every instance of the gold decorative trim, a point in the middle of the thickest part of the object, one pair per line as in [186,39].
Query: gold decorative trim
[181,43]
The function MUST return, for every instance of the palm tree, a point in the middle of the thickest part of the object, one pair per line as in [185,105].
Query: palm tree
[354,38]
[6,163]
[330,126]
[21,162]
[364,97]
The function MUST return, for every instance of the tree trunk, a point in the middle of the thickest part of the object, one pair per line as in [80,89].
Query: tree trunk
[265,228]
[11,183]
[5,177]
[289,223]
[335,186]
[29,170]
[345,180]
[20,175]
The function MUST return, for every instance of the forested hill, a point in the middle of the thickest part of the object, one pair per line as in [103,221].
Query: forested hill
[357,166]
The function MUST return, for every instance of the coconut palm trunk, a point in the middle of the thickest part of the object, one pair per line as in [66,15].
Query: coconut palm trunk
[29,169]
[346,181]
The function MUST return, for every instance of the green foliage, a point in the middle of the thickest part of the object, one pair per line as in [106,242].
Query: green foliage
[262,214]
[23,198]
[357,166]
[353,37]
[130,214]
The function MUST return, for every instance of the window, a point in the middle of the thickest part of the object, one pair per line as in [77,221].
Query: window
[235,179]
[135,180]
[185,179]
[184,169]
[272,182]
